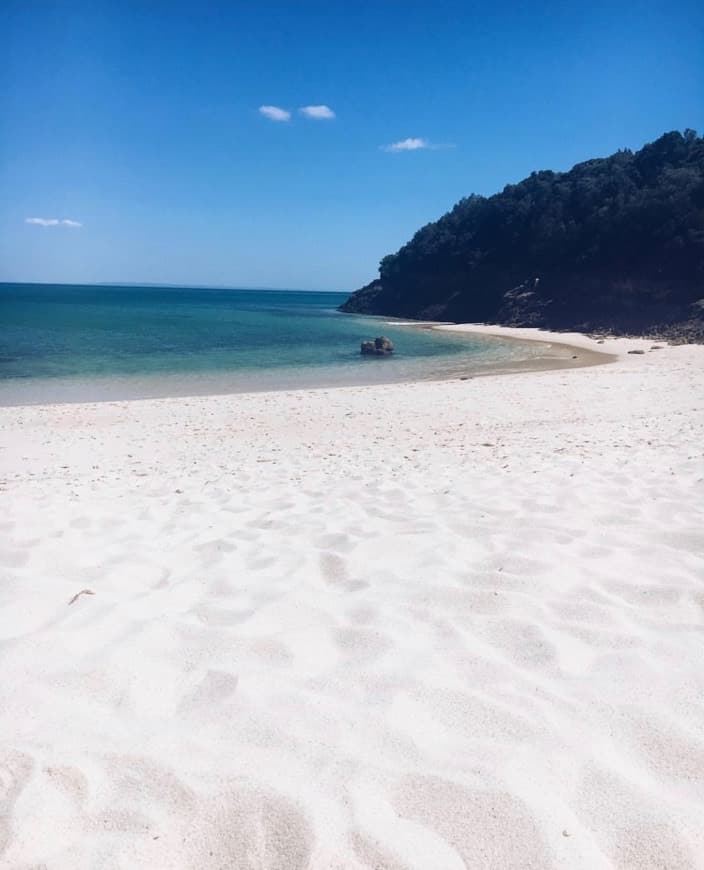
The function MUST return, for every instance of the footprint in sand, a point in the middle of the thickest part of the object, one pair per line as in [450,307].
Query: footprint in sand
[632,828]
[486,828]
[15,772]
[248,829]
[214,688]
[333,567]
[69,780]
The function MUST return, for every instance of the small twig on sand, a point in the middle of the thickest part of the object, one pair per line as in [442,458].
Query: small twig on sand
[82,592]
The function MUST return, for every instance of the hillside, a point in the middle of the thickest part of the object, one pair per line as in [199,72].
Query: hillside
[616,243]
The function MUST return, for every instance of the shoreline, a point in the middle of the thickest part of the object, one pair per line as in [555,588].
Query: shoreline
[612,345]
[173,386]
[403,626]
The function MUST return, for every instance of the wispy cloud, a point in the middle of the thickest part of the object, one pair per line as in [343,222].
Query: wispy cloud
[318,113]
[413,144]
[52,222]
[274,113]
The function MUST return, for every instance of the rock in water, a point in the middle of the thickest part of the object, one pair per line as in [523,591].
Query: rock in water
[381,346]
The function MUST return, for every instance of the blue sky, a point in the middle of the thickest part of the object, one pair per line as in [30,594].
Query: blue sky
[141,122]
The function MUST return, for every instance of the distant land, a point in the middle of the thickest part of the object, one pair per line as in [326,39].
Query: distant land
[234,287]
[616,244]
[157,285]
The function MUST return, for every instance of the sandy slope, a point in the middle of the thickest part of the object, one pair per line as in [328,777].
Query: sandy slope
[420,626]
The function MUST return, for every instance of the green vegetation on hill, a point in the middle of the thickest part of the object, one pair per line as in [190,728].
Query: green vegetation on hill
[616,243]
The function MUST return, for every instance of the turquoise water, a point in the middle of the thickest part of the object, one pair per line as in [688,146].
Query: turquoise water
[62,343]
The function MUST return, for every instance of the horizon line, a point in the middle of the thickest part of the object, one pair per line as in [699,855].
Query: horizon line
[167,286]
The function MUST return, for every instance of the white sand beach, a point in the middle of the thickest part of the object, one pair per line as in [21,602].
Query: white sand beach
[430,626]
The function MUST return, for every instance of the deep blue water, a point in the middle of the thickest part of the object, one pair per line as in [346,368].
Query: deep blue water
[61,342]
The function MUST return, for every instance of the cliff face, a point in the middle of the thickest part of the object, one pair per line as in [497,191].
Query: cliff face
[614,244]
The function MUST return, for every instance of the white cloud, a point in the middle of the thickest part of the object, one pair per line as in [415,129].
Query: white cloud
[274,113]
[413,144]
[318,113]
[407,145]
[52,222]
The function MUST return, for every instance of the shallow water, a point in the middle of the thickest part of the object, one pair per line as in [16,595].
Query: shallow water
[85,343]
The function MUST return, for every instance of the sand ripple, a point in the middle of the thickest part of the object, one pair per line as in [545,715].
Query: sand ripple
[425,626]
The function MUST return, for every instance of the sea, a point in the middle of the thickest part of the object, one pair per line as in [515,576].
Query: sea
[71,343]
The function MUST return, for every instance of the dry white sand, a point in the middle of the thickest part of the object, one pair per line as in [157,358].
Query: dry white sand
[431,626]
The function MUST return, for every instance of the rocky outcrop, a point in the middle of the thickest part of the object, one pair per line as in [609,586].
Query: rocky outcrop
[381,346]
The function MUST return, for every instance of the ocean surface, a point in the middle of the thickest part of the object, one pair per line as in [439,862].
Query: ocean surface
[63,343]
